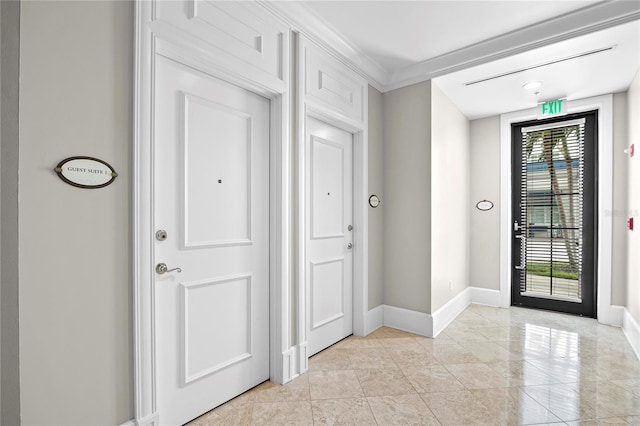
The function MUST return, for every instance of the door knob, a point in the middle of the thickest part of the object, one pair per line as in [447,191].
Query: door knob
[349,246]
[161,268]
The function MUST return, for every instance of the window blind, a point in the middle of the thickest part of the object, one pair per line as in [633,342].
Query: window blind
[551,211]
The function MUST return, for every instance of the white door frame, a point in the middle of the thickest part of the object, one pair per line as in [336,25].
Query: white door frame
[604,105]
[309,107]
[163,40]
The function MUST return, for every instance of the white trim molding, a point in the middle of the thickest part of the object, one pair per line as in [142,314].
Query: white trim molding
[375,319]
[156,37]
[151,420]
[449,311]
[593,18]
[354,121]
[407,320]
[607,314]
[289,363]
[147,421]
[631,330]
[485,296]
[586,20]
[305,22]
[614,317]
[430,325]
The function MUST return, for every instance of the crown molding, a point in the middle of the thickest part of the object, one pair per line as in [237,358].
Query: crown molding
[593,18]
[302,20]
[600,16]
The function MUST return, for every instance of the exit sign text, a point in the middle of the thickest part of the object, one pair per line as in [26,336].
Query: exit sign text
[552,108]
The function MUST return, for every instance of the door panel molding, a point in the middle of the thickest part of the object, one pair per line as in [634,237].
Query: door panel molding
[607,314]
[155,37]
[238,36]
[332,85]
[229,163]
[330,229]
[185,307]
[315,266]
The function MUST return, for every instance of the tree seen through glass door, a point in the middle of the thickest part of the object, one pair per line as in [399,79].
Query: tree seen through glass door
[553,213]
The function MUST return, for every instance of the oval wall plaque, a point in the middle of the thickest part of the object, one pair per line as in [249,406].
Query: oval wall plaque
[85,172]
[484,205]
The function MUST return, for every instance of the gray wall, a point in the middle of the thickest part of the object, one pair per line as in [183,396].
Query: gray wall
[9,337]
[75,303]
[407,202]
[426,174]
[376,215]
[485,185]
[619,213]
[633,237]
[450,209]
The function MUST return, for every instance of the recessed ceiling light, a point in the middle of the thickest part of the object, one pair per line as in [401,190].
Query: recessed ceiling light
[532,85]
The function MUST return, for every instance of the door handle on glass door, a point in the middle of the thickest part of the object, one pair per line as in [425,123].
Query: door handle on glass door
[161,268]
[522,253]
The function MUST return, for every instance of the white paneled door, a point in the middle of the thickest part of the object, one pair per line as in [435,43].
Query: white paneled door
[211,195]
[329,230]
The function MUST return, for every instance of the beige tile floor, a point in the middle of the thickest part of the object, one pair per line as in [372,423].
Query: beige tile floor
[489,367]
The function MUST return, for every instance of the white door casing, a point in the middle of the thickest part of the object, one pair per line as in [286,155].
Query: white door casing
[155,36]
[329,230]
[191,35]
[212,199]
[330,92]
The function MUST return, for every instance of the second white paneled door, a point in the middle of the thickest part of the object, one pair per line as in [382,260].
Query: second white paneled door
[329,233]
[211,189]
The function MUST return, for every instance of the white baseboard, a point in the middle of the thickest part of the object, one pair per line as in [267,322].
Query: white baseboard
[485,296]
[407,320]
[289,363]
[449,311]
[375,319]
[611,315]
[150,420]
[303,357]
[430,325]
[631,330]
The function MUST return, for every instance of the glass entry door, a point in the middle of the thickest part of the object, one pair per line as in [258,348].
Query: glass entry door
[554,177]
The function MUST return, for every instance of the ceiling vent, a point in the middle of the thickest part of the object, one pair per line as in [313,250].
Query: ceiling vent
[557,61]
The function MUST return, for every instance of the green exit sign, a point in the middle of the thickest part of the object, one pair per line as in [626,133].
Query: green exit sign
[552,108]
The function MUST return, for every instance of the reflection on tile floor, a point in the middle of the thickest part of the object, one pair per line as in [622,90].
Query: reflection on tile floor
[491,366]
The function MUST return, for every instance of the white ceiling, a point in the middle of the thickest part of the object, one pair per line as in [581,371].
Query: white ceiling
[600,73]
[455,42]
[397,34]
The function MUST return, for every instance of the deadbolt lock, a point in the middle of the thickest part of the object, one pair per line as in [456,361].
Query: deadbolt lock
[161,235]
[350,227]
